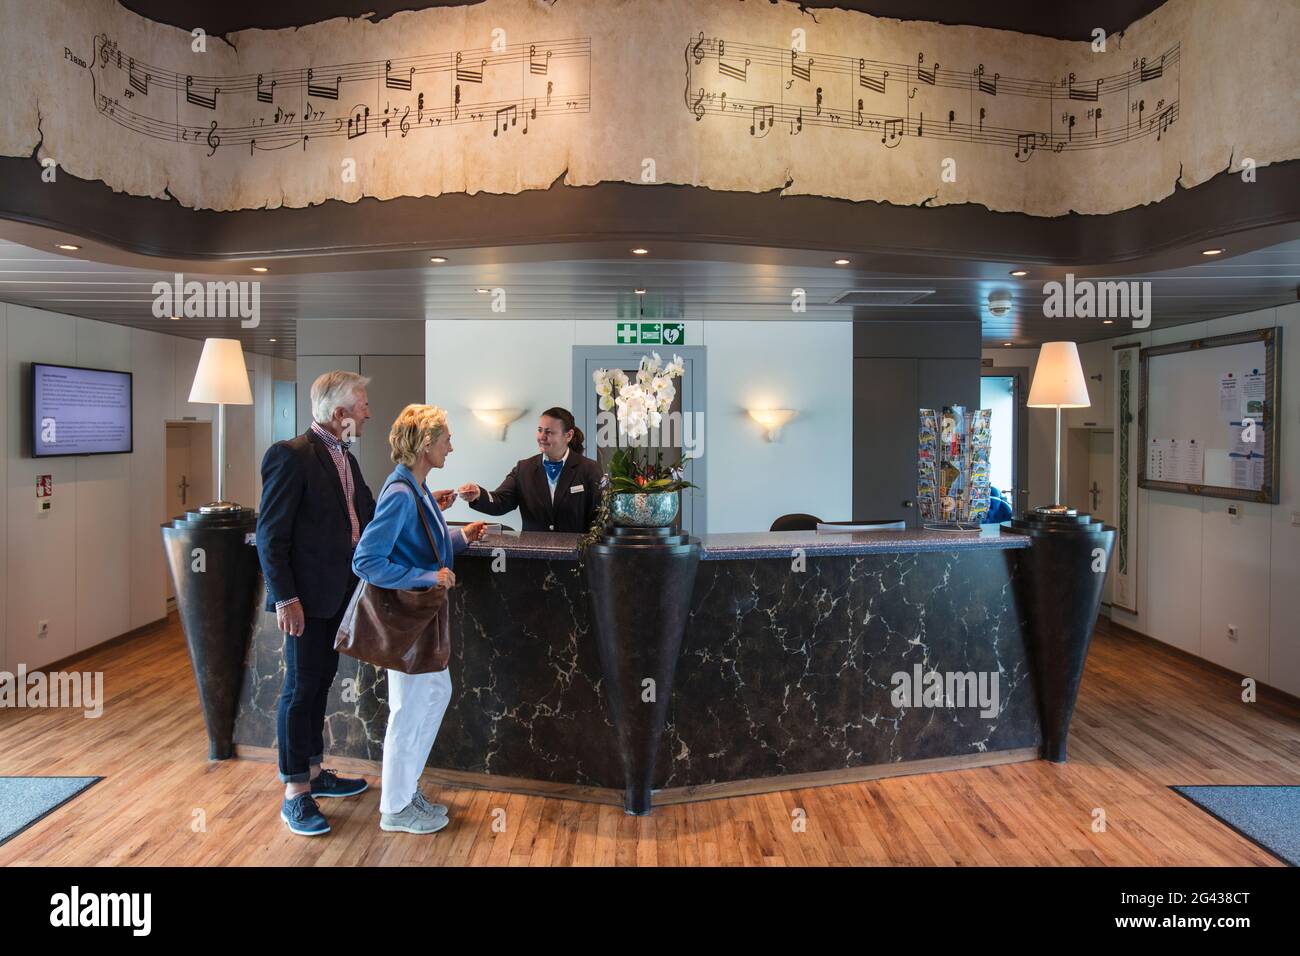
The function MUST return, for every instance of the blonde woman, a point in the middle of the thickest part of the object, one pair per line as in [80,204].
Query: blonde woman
[394,552]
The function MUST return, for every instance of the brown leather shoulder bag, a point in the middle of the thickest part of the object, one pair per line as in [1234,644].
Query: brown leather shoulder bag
[407,631]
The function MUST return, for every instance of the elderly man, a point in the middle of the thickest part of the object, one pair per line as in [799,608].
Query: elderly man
[315,505]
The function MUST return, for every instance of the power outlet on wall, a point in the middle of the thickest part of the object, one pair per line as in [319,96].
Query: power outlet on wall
[1232,632]
[42,629]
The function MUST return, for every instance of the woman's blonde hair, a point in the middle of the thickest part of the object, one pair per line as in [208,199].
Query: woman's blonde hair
[417,427]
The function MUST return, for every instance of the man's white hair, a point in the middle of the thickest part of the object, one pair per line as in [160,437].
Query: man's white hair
[337,389]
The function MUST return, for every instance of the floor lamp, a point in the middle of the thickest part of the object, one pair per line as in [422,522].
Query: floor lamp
[221,380]
[1058,383]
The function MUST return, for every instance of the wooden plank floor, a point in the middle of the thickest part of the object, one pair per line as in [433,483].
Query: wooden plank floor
[1147,718]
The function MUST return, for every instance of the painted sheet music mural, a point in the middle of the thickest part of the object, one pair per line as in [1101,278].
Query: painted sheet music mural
[504,96]
[777,89]
[507,89]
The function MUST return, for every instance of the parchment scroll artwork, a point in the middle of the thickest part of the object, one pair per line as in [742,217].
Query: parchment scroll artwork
[509,95]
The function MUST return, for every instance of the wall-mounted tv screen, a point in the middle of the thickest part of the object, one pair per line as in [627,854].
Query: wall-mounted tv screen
[80,411]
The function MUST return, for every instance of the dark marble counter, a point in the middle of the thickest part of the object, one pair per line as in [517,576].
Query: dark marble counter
[789,664]
[557,546]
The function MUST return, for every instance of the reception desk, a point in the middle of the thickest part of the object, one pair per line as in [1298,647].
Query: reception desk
[806,660]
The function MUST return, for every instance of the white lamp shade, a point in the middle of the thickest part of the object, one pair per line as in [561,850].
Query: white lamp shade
[221,378]
[1058,378]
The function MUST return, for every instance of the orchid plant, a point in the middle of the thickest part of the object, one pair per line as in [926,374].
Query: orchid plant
[640,405]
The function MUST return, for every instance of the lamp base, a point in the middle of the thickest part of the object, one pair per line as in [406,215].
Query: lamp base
[1055,510]
[218,507]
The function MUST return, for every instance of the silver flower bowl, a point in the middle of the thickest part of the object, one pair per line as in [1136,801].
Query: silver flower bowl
[655,510]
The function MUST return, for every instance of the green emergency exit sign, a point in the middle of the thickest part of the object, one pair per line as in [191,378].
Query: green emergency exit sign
[651,333]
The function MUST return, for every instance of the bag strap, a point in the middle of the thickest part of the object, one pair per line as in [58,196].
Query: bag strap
[424,519]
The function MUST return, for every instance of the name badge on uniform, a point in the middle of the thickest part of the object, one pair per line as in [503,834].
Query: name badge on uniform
[573,488]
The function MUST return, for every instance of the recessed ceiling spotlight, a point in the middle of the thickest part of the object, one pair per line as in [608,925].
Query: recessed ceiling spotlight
[1018,273]
[1107,321]
[638,251]
[481,291]
[67,246]
[841,262]
[640,291]
[175,318]
[261,269]
[1007,345]
[438,259]
[1211,252]
[274,340]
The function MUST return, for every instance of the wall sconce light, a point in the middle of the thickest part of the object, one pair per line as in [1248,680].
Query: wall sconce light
[497,419]
[772,419]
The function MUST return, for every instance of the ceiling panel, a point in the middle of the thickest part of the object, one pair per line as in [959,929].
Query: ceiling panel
[675,288]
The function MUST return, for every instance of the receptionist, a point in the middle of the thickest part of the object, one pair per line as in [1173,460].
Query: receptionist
[557,489]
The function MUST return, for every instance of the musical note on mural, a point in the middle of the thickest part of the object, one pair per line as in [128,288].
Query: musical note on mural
[138,84]
[922,74]
[1149,73]
[465,74]
[730,69]
[397,82]
[799,72]
[506,113]
[775,84]
[193,96]
[265,95]
[535,68]
[322,90]
[876,83]
[359,122]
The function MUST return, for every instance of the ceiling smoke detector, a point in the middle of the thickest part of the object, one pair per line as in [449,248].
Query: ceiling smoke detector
[999,303]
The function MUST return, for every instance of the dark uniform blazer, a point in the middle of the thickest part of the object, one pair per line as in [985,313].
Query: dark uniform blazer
[304,537]
[577,495]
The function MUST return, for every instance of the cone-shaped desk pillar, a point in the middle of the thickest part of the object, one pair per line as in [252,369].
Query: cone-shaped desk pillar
[1060,583]
[640,581]
[213,562]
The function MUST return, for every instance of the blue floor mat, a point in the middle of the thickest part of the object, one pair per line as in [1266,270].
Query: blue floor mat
[25,801]
[1266,815]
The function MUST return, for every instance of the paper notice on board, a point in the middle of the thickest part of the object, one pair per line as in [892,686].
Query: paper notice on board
[1252,387]
[1193,462]
[1174,460]
[1229,397]
[1239,470]
[1157,452]
[1256,472]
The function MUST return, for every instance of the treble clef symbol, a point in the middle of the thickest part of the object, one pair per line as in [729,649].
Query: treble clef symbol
[213,140]
[697,51]
[697,108]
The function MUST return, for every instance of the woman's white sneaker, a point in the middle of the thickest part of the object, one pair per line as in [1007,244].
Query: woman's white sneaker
[412,819]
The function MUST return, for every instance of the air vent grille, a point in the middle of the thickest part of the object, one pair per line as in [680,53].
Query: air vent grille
[880,297]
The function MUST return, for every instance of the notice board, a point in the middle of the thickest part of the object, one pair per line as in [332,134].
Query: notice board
[1208,416]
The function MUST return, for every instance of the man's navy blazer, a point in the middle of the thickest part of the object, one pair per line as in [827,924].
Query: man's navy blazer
[304,537]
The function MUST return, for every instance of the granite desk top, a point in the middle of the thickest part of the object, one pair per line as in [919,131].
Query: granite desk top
[558,546]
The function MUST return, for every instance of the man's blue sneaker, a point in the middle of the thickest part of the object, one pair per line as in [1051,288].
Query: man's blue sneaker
[303,816]
[330,784]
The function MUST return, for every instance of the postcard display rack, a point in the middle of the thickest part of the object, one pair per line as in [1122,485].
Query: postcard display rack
[952,482]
